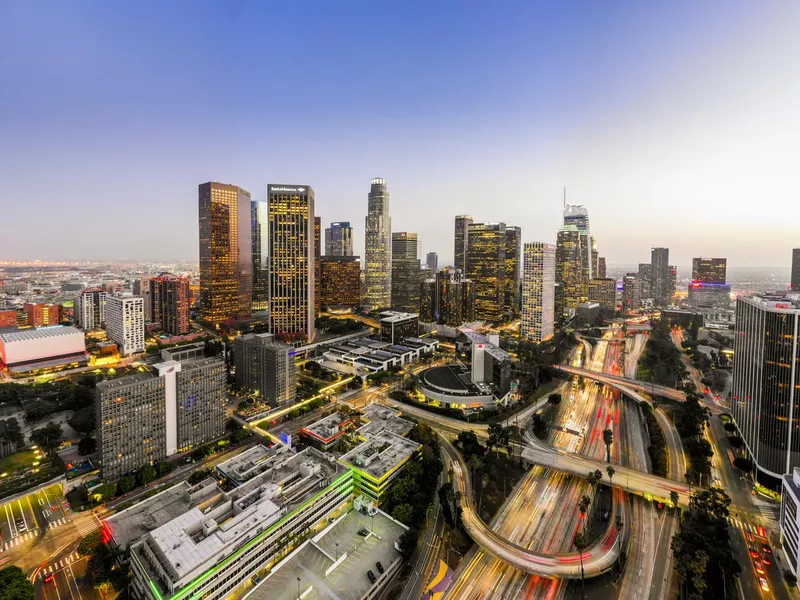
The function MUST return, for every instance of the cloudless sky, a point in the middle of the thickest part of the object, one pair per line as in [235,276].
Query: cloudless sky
[676,123]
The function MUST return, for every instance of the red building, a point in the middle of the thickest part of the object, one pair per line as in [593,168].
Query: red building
[169,297]
[8,318]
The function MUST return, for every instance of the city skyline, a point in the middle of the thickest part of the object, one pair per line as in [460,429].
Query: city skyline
[659,143]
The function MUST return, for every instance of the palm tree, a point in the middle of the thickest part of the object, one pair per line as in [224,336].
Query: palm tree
[608,439]
[611,471]
[583,506]
[474,465]
[484,481]
[579,541]
[674,497]
[595,477]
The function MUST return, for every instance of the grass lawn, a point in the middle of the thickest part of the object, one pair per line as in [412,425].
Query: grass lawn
[17,462]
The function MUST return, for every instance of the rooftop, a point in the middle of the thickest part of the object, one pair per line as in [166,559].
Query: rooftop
[381,454]
[328,427]
[39,333]
[391,316]
[382,418]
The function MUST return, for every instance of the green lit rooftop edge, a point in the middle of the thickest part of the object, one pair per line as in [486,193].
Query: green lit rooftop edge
[193,585]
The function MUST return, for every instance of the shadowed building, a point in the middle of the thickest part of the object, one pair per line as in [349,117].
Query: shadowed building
[378,253]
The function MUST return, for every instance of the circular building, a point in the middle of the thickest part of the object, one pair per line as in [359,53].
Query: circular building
[452,386]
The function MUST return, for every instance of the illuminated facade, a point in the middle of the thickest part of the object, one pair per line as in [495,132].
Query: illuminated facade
[604,292]
[41,315]
[486,267]
[169,303]
[125,323]
[513,264]
[631,291]
[645,278]
[90,309]
[378,254]
[406,273]
[267,366]
[659,276]
[259,219]
[601,267]
[8,318]
[448,299]
[573,261]
[341,281]
[317,275]
[461,234]
[795,285]
[709,270]
[764,397]
[292,262]
[226,253]
[339,239]
[538,292]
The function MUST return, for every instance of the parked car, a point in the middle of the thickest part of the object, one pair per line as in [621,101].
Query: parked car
[372,577]
[380,567]
[363,532]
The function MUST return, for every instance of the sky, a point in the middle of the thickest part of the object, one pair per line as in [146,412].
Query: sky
[675,123]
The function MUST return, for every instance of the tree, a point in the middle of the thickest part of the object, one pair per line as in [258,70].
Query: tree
[14,584]
[403,513]
[126,484]
[408,543]
[89,543]
[608,439]
[484,481]
[47,437]
[165,467]
[580,543]
[583,506]
[674,497]
[83,419]
[104,492]
[554,399]
[87,446]
[611,471]
[12,432]
[594,478]
[198,476]
[146,474]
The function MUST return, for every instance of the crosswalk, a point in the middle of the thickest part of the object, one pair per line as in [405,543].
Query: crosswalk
[86,523]
[58,523]
[17,540]
[58,565]
[745,527]
[771,511]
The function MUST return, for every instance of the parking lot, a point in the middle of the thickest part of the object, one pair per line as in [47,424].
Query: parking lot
[349,580]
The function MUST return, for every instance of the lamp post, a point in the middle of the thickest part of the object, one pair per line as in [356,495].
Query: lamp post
[298,588]
[337,550]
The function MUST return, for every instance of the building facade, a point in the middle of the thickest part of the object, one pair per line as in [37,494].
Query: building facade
[795,284]
[41,315]
[659,276]
[340,281]
[486,267]
[538,292]
[513,265]
[406,274]
[631,291]
[169,303]
[292,262]
[339,239]
[604,292]
[378,251]
[709,270]
[266,365]
[125,323]
[432,262]
[317,257]
[90,309]
[396,326]
[259,223]
[573,259]
[226,253]
[461,240]
[601,267]
[764,399]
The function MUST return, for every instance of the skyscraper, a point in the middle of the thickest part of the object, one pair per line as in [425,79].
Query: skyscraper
[604,292]
[432,262]
[513,264]
[486,267]
[169,303]
[659,274]
[226,253]
[292,261]
[125,323]
[90,309]
[448,299]
[378,254]
[645,278]
[631,291]
[795,285]
[572,269]
[260,236]
[578,215]
[340,281]
[764,400]
[672,282]
[460,249]
[709,270]
[317,256]
[406,274]
[601,267]
[339,239]
[266,365]
[538,291]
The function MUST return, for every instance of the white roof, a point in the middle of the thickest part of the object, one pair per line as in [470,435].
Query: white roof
[39,333]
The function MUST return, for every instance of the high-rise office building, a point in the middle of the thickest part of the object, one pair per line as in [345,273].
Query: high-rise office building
[169,303]
[149,416]
[406,274]
[432,262]
[578,216]
[292,261]
[378,253]
[601,267]
[260,235]
[513,265]
[226,253]
[795,284]
[90,309]
[461,239]
[538,291]
[709,270]
[486,267]
[125,323]
[572,269]
[317,256]
[141,287]
[595,258]
[266,365]
[764,397]
[631,291]
[672,282]
[447,299]
[427,300]
[339,239]
[340,281]
[604,292]
[644,276]
[659,276]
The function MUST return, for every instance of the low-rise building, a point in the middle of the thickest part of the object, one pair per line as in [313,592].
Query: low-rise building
[588,313]
[213,548]
[374,355]
[325,433]
[396,326]
[33,349]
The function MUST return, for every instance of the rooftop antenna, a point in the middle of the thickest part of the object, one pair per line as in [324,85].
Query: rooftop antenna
[565,198]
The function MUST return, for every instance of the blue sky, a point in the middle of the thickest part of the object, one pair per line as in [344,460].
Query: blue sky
[675,123]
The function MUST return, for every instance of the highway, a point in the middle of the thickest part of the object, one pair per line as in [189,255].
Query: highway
[628,383]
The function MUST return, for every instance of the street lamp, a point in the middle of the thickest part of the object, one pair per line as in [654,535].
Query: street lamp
[337,550]
[298,588]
